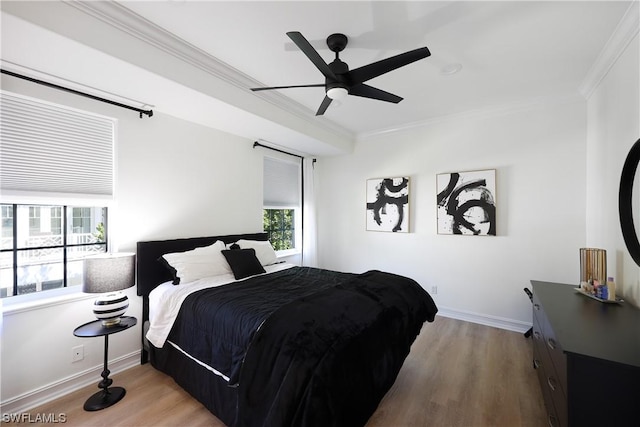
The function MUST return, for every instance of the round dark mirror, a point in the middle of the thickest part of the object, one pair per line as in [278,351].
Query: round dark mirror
[625,199]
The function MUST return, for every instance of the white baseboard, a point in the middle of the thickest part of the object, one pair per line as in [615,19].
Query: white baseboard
[55,390]
[484,319]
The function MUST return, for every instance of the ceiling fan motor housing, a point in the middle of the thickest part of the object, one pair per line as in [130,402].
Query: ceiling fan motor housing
[339,68]
[337,42]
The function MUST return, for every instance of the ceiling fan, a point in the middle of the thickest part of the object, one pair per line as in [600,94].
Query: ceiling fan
[339,81]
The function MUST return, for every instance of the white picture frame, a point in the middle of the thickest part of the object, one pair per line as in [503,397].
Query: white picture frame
[466,203]
[388,204]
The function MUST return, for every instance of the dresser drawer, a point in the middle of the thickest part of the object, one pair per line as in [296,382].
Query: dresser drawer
[552,399]
[538,311]
[554,396]
[546,335]
[557,356]
[550,362]
[546,394]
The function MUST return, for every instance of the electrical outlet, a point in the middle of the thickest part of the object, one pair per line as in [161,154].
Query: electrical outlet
[78,353]
[434,290]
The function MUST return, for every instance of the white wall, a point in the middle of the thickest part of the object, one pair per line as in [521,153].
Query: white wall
[173,179]
[539,156]
[613,127]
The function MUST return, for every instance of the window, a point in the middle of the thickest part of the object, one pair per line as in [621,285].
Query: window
[281,217]
[82,220]
[42,247]
[34,220]
[7,217]
[280,225]
[56,219]
[56,162]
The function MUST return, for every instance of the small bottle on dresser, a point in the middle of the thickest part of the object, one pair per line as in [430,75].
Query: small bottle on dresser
[611,288]
[604,292]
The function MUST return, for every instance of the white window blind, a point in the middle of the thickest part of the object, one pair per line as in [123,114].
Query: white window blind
[281,183]
[51,148]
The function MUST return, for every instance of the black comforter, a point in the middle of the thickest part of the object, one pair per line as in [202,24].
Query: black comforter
[304,346]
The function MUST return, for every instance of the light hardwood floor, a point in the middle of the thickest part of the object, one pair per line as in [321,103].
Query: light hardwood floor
[458,374]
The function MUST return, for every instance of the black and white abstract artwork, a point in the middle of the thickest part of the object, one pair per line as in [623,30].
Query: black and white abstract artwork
[388,204]
[467,203]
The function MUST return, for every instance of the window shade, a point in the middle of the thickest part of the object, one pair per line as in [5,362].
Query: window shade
[51,148]
[281,183]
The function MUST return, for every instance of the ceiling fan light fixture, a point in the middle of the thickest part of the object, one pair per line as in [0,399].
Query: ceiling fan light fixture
[337,93]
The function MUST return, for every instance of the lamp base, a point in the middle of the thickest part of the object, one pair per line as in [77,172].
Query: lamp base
[110,307]
[104,398]
[110,322]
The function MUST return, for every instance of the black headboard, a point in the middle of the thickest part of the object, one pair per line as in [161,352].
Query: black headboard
[150,272]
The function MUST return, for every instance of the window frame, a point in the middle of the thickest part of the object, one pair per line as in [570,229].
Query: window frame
[297,228]
[65,246]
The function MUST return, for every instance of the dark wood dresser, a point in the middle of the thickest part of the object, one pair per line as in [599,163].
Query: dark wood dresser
[587,356]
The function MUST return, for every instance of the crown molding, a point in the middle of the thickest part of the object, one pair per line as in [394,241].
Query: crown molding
[480,113]
[144,30]
[626,30]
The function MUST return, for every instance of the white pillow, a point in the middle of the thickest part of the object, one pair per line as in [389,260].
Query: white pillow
[199,262]
[264,251]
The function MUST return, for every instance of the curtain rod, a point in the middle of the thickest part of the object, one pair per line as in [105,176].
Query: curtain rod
[257,144]
[76,92]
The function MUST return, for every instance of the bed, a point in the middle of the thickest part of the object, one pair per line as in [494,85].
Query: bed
[293,346]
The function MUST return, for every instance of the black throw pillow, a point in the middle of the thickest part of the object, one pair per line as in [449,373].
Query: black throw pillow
[173,271]
[243,262]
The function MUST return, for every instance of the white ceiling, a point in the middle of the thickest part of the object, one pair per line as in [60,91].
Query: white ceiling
[510,51]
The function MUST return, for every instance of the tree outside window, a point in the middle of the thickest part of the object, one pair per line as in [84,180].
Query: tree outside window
[280,226]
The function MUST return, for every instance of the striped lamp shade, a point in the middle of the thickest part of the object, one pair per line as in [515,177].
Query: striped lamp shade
[107,274]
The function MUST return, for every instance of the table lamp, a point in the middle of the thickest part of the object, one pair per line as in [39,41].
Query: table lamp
[108,274]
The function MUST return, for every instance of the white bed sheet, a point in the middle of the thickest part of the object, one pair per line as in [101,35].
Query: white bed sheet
[166,299]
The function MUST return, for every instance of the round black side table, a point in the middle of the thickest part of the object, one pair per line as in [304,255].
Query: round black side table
[106,396]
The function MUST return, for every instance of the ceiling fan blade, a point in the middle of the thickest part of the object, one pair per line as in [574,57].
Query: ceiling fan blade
[367,72]
[367,91]
[256,89]
[323,107]
[312,54]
